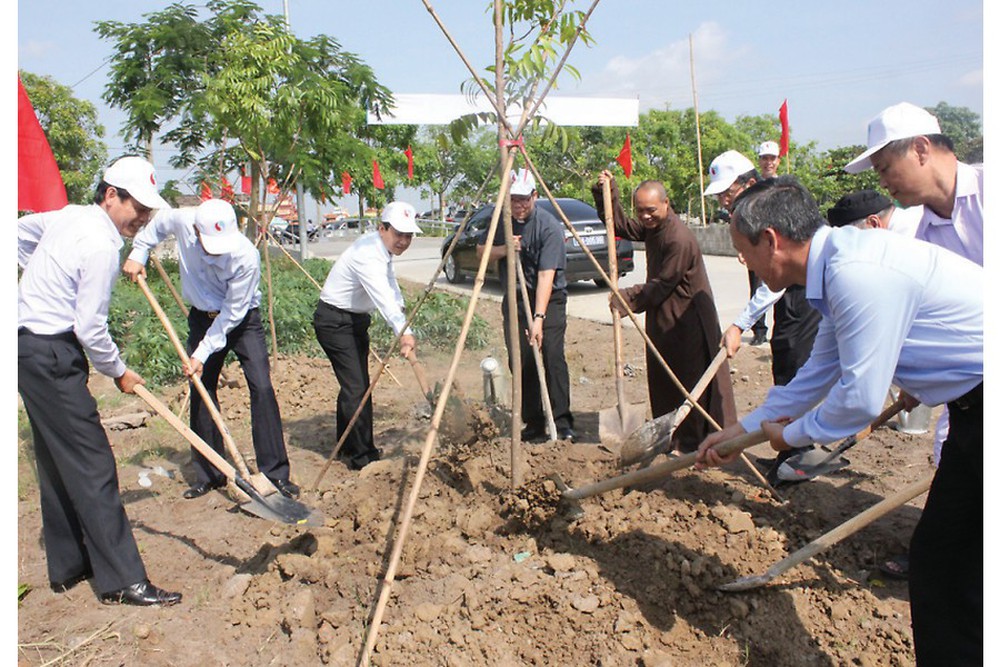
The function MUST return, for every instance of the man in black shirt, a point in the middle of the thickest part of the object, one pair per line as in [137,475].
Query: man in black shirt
[539,239]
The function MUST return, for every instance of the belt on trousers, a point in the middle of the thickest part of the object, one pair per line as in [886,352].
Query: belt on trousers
[971,399]
[210,314]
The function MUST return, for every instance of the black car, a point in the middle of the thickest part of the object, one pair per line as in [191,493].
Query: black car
[290,234]
[588,226]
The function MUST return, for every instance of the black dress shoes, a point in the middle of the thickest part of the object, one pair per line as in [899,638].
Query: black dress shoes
[359,461]
[66,584]
[567,434]
[286,488]
[143,594]
[201,488]
[759,339]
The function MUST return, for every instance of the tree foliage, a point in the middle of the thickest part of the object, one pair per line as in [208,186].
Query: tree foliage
[75,136]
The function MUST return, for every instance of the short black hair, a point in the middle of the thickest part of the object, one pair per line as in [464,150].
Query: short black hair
[781,203]
[102,191]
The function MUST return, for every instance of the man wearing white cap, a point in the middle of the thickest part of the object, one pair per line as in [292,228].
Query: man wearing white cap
[220,278]
[795,321]
[70,263]
[539,239]
[363,280]
[768,159]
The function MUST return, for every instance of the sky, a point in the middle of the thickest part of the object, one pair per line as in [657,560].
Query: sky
[837,64]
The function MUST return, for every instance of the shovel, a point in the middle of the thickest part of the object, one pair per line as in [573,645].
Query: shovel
[615,423]
[662,470]
[550,423]
[455,417]
[260,481]
[830,538]
[652,438]
[817,462]
[275,507]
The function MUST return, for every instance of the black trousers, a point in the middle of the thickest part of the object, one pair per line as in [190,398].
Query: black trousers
[795,327]
[344,337]
[83,520]
[946,550]
[247,341]
[759,327]
[553,358]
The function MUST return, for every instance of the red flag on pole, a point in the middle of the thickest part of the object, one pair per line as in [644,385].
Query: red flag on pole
[206,191]
[625,156]
[272,186]
[345,182]
[409,162]
[783,115]
[377,176]
[39,185]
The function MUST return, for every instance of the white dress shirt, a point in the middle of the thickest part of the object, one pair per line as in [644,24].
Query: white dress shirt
[362,280]
[762,299]
[227,284]
[963,231]
[70,260]
[891,315]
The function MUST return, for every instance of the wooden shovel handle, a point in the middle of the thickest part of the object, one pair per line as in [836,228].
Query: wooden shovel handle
[616,318]
[203,448]
[421,375]
[234,452]
[699,389]
[668,467]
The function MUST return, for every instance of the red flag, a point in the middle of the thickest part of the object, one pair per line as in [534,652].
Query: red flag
[226,190]
[39,185]
[783,115]
[345,183]
[377,176]
[246,183]
[409,162]
[625,156]
[206,191]
[272,186]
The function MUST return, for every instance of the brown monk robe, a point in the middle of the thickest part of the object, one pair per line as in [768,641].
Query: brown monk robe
[681,318]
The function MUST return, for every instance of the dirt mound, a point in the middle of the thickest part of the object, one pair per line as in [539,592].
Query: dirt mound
[489,575]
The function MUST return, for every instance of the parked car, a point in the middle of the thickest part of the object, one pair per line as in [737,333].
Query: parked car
[290,234]
[588,226]
[277,226]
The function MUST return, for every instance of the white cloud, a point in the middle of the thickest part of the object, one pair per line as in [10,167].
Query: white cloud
[663,75]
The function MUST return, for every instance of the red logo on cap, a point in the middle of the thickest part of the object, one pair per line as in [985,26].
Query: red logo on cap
[218,226]
[152,180]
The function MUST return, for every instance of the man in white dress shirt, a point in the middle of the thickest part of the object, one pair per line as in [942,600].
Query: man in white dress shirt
[891,314]
[362,280]
[220,278]
[70,262]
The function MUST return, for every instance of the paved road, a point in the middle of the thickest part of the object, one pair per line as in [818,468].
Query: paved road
[586,300]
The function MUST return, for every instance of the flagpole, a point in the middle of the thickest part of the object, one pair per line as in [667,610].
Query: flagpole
[697,130]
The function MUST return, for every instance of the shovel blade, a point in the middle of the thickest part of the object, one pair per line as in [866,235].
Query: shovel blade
[616,423]
[276,507]
[646,442]
[810,465]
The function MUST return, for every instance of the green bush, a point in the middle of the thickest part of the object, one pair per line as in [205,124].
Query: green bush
[147,349]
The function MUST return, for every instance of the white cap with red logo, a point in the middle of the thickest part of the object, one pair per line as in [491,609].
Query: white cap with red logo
[137,177]
[725,169]
[216,223]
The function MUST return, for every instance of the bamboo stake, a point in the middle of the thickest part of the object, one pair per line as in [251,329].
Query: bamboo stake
[397,550]
[697,131]
[539,361]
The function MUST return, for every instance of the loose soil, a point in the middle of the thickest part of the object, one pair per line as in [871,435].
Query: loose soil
[488,575]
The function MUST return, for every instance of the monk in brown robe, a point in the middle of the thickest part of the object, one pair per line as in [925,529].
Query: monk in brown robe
[681,318]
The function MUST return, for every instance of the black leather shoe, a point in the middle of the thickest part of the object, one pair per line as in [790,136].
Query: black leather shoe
[759,339]
[66,584]
[286,488]
[567,434]
[532,433]
[143,594]
[201,488]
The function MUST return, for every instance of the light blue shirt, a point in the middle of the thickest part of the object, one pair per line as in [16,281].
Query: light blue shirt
[228,284]
[895,311]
